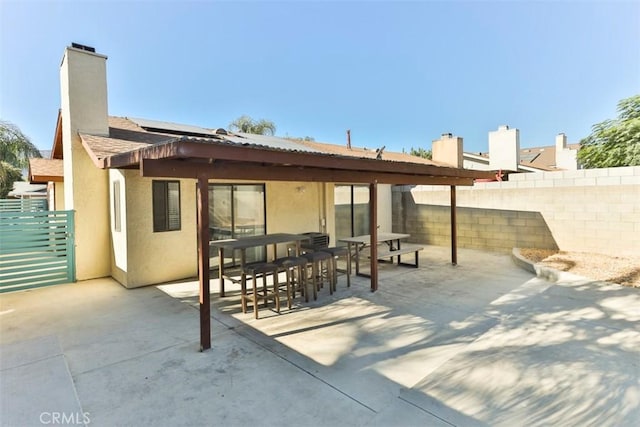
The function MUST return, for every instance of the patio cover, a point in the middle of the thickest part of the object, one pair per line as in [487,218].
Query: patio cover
[222,155]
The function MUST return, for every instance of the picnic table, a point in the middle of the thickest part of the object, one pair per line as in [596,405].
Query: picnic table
[392,247]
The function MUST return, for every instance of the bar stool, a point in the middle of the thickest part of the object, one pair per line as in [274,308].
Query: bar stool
[316,260]
[336,252]
[263,269]
[295,269]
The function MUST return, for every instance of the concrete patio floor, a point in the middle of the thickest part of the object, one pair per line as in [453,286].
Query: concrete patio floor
[481,343]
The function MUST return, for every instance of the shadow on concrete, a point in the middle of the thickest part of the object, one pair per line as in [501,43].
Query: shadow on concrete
[467,346]
[481,343]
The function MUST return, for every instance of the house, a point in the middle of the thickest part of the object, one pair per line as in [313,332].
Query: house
[27,190]
[148,195]
[506,155]
[48,173]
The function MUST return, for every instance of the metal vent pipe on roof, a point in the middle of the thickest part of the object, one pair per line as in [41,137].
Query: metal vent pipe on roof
[349,139]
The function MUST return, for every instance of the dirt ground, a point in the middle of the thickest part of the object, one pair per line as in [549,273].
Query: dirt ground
[622,270]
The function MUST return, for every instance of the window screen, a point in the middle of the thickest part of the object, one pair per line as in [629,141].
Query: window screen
[166,205]
[117,221]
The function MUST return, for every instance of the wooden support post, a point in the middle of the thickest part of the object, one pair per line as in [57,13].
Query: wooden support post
[454,228]
[203,262]
[373,227]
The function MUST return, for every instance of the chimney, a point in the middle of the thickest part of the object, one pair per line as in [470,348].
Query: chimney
[447,150]
[566,158]
[83,85]
[83,109]
[561,142]
[504,149]
[349,139]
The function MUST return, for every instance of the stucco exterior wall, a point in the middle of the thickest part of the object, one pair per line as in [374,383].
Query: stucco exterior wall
[294,207]
[596,210]
[58,195]
[141,257]
[119,249]
[84,109]
[55,195]
[155,257]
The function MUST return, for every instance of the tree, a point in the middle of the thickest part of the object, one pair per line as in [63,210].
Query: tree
[616,142]
[420,152]
[15,151]
[246,124]
[8,175]
[15,147]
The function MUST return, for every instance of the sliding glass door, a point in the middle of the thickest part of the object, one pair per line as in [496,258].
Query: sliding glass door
[351,210]
[236,211]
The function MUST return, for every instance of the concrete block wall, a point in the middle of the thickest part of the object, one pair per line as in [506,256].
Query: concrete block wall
[589,210]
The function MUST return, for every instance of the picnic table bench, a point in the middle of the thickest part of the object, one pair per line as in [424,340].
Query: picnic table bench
[406,248]
[390,246]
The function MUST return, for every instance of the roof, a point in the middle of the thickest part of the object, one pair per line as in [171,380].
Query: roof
[216,153]
[540,158]
[23,189]
[128,134]
[44,170]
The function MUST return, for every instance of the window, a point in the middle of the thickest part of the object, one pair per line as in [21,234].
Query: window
[166,205]
[117,221]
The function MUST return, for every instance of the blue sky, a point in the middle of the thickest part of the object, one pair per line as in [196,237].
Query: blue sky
[397,74]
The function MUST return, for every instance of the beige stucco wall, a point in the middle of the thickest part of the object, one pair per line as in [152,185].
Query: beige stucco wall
[447,150]
[504,148]
[84,109]
[299,207]
[119,248]
[58,194]
[595,210]
[55,195]
[141,256]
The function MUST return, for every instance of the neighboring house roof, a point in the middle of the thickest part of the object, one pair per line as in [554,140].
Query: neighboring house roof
[44,170]
[23,189]
[531,158]
[131,140]
[365,152]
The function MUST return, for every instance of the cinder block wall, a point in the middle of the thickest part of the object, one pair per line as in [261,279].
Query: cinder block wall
[593,210]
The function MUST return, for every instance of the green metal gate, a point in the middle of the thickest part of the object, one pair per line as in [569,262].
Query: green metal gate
[36,249]
[23,205]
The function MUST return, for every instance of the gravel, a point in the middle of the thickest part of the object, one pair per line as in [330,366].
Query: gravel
[624,270]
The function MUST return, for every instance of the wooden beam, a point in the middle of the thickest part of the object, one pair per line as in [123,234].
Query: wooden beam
[211,150]
[167,150]
[373,231]
[248,171]
[45,178]
[454,227]
[253,154]
[202,194]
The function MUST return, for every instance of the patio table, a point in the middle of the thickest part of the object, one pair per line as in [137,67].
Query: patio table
[360,242]
[245,243]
